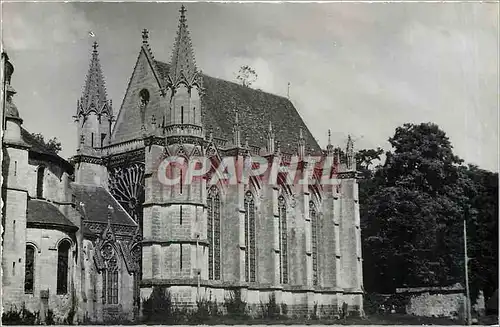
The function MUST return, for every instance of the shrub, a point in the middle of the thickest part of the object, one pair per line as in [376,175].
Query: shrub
[314,315]
[202,312]
[270,310]
[158,307]
[284,309]
[49,319]
[21,317]
[235,307]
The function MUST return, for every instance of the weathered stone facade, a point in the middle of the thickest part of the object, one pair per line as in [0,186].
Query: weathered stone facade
[449,302]
[299,243]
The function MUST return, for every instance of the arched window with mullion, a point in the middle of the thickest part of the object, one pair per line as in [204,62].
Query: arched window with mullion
[109,275]
[250,248]
[213,233]
[283,247]
[313,215]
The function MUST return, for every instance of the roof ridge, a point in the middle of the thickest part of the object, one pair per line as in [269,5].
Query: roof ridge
[121,207]
[232,82]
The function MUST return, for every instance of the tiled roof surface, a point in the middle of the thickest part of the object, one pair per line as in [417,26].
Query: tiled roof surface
[255,109]
[41,148]
[36,146]
[96,200]
[41,212]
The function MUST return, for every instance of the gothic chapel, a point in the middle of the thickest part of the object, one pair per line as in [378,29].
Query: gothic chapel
[90,238]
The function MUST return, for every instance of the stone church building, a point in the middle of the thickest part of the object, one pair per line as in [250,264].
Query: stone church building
[91,237]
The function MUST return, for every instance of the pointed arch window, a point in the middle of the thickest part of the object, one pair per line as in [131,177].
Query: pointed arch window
[29,270]
[283,247]
[313,215]
[109,275]
[213,233]
[249,237]
[40,173]
[63,267]
[144,98]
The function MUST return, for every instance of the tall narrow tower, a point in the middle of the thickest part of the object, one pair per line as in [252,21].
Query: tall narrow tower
[94,116]
[174,224]
[14,195]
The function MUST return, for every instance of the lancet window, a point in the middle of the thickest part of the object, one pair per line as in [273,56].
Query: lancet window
[109,275]
[283,240]
[29,270]
[213,233]
[249,237]
[39,181]
[313,214]
[63,267]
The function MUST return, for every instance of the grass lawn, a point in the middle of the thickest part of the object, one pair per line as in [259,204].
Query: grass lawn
[389,319]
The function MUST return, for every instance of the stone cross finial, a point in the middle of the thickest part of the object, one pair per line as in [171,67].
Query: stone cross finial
[95,46]
[183,13]
[145,36]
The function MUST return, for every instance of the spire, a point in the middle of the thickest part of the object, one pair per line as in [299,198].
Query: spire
[94,95]
[270,138]
[302,145]
[236,131]
[329,147]
[183,64]
[351,164]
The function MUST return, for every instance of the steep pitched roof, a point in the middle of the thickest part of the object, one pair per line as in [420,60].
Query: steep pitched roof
[255,109]
[44,214]
[96,200]
[40,148]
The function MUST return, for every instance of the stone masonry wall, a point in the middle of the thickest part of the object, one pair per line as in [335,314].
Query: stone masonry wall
[436,305]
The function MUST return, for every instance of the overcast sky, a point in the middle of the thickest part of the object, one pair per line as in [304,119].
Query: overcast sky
[354,68]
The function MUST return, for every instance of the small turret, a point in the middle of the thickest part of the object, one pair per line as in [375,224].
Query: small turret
[184,84]
[329,147]
[94,113]
[236,131]
[12,119]
[270,138]
[301,145]
[350,159]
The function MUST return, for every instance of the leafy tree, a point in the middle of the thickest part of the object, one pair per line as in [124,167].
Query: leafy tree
[365,158]
[247,75]
[482,231]
[412,226]
[52,145]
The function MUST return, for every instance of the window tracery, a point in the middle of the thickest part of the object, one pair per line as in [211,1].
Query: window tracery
[283,247]
[313,215]
[249,237]
[109,275]
[126,184]
[213,233]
